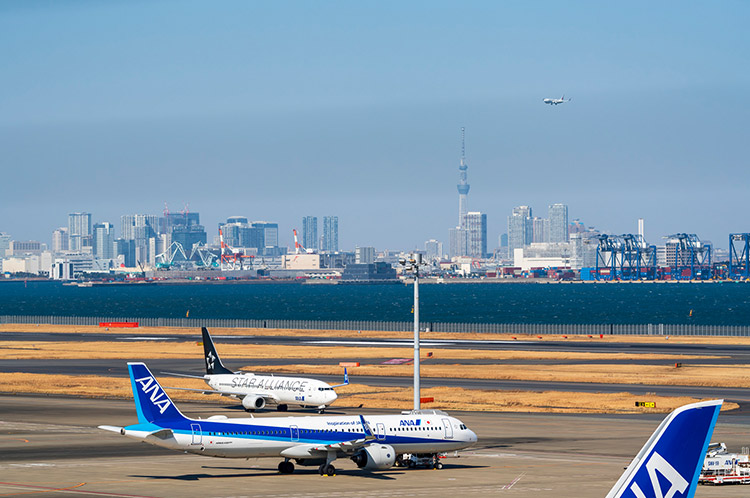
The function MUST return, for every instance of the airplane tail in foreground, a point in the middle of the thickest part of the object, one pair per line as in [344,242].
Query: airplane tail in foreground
[669,463]
[213,362]
[151,401]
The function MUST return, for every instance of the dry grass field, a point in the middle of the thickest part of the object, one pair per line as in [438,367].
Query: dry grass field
[578,367]
[366,396]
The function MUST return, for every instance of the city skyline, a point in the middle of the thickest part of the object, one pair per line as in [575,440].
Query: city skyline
[102,124]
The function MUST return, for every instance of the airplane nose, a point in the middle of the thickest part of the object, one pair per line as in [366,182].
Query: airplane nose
[472,436]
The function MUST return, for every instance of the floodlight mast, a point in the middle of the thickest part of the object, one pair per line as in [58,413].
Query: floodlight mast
[412,264]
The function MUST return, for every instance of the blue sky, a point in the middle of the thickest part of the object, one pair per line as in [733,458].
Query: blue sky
[277,110]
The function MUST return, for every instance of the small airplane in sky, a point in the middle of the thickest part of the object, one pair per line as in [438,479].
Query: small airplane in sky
[561,100]
[673,456]
[256,391]
[375,442]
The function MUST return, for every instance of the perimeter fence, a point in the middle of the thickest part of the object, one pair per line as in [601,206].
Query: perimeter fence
[482,328]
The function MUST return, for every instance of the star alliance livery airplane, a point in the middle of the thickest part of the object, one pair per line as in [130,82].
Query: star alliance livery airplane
[670,462]
[373,443]
[258,390]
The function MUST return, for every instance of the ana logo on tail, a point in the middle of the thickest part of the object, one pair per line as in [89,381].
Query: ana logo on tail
[158,397]
[678,484]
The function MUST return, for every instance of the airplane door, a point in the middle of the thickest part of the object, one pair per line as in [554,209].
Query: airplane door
[380,432]
[448,429]
[197,434]
[295,432]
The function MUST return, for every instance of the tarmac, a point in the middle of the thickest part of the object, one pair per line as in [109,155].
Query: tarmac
[51,447]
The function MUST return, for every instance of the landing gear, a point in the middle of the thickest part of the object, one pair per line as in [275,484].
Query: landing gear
[327,470]
[321,408]
[286,467]
[282,408]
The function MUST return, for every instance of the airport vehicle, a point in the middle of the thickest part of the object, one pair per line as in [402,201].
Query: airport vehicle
[672,456]
[561,100]
[373,442]
[256,391]
[722,467]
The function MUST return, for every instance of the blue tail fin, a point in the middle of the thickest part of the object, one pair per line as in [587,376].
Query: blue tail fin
[151,402]
[669,463]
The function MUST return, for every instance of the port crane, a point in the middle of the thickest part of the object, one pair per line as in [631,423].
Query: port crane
[231,259]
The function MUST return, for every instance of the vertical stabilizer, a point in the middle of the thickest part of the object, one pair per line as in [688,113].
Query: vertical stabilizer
[151,402]
[669,463]
[213,362]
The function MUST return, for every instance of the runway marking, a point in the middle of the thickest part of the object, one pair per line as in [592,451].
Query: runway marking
[70,489]
[145,338]
[514,481]
[407,342]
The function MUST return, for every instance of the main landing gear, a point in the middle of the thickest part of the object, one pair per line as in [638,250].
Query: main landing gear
[327,470]
[286,467]
[282,408]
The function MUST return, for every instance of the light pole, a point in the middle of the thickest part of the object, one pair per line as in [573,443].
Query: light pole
[412,265]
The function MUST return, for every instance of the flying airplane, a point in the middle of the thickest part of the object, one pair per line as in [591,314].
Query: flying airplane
[561,100]
[258,390]
[373,443]
[672,456]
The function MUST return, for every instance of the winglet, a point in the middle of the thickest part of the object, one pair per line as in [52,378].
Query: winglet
[672,456]
[346,379]
[366,427]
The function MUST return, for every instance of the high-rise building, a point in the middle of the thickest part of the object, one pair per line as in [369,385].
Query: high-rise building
[463,185]
[558,223]
[520,229]
[539,229]
[104,239]
[476,229]
[4,243]
[310,232]
[330,234]
[459,241]
[60,240]
[270,233]
[139,226]
[433,249]
[79,231]
[364,255]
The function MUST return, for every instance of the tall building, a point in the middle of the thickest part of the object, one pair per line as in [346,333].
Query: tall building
[364,255]
[104,240]
[520,230]
[459,241]
[330,234]
[4,243]
[79,231]
[433,249]
[141,228]
[463,185]
[476,229]
[558,223]
[539,229]
[310,232]
[60,240]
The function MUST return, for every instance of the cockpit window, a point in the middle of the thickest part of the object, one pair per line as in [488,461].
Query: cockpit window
[463,427]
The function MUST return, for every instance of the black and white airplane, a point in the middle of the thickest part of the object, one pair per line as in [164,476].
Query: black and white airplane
[256,391]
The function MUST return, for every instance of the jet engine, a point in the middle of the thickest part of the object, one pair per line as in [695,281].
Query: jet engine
[253,402]
[375,457]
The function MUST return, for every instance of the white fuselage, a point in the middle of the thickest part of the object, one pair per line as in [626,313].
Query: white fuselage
[282,390]
[299,437]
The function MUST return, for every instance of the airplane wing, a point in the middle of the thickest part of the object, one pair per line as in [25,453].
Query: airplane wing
[173,374]
[236,394]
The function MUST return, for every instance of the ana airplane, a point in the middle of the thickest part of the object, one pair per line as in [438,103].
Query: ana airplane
[373,442]
[258,390]
[561,100]
[672,456]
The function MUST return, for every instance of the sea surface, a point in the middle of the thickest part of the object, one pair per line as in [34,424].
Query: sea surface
[705,304]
